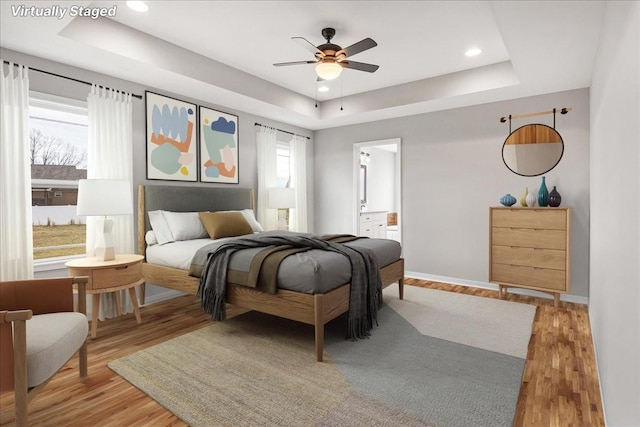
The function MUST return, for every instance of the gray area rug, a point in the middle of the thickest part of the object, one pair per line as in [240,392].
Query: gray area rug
[256,369]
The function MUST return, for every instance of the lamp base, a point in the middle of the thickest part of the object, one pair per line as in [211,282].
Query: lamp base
[105,254]
[104,250]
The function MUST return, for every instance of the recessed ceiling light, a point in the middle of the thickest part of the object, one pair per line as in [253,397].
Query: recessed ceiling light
[473,52]
[323,89]
[138,6]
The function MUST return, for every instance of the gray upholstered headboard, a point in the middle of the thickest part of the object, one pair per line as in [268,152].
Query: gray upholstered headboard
[188,199]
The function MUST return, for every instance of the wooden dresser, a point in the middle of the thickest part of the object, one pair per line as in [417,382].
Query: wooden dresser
[530,248]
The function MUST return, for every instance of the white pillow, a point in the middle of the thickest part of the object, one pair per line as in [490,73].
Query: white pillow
[160,227]
[251,219]
[185,225]
[150,238]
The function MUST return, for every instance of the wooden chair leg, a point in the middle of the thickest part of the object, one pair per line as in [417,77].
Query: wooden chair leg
[20,371]
[82,355]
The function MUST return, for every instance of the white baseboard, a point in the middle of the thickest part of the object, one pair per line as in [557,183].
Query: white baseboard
[486,285]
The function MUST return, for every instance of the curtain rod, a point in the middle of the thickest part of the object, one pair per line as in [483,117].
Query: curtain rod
[280,130]
[68,78]
[521,116]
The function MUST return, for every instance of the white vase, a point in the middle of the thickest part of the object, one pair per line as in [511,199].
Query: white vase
[531,200]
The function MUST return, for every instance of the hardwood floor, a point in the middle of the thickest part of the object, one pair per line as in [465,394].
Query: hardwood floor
[560,384]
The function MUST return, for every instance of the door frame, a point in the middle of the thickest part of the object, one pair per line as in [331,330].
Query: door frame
[357,146]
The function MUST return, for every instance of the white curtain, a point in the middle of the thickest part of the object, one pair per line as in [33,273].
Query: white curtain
[16,234]
[298,158]
[110,156]
[266,158]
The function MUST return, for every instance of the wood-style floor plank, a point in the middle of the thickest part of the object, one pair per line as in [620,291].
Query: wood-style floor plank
[560,384]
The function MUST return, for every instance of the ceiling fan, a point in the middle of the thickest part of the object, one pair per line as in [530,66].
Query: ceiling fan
[331,58]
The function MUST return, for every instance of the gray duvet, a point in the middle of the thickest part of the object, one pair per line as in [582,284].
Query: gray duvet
[314,271]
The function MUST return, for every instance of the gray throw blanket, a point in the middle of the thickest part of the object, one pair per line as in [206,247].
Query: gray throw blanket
[366,285]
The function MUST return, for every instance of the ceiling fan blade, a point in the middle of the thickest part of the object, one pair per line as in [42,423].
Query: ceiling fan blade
[308,45]
[282,64]
[360,66]
[356,48]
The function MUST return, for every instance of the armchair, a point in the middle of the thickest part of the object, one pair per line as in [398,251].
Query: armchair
[39,333]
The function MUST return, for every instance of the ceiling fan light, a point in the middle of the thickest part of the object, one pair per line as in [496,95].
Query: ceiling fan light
[328,70]
[138,6]
[474,51]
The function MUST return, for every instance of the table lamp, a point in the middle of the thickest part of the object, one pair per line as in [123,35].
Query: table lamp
[103,197]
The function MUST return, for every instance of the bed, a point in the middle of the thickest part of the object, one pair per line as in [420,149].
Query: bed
[311,308]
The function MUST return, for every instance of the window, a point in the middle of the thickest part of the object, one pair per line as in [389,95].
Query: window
[58,134]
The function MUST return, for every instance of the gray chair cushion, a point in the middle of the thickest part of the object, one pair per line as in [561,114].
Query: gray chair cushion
[51,341]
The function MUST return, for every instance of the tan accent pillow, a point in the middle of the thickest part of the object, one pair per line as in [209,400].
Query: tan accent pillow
[225,224]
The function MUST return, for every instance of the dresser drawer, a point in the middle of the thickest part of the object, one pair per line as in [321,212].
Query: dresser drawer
[373,217]
[530,218]
[529,237]
[545,258]
[116,276]
[541,278]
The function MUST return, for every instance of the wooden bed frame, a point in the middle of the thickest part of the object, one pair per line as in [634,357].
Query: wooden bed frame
[316,310]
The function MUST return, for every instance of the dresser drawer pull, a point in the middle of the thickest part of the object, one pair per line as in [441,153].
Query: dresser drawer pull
[122,268]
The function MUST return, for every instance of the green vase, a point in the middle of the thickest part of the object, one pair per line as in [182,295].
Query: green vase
[543,194]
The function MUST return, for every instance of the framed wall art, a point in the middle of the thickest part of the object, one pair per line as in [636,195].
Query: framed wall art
[171,138]
[218,146]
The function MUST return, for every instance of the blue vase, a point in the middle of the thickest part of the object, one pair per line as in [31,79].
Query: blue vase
[507,200]
[543,194]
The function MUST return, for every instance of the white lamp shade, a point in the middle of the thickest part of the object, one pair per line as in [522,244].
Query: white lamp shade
[282,198]
[98,197]
[328,70]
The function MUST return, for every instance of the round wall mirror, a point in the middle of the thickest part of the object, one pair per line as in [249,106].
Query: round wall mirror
[532,150]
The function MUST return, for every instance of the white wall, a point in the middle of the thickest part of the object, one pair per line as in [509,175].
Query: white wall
[614,306]
[452,172]
[381,180]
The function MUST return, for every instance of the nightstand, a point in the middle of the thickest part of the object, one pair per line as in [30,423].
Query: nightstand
[124,272]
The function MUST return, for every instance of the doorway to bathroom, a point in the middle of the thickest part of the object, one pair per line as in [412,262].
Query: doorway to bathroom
[377,189]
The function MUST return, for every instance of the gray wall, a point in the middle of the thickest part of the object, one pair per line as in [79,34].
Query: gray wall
[452,172]
[614,303]
[54,85]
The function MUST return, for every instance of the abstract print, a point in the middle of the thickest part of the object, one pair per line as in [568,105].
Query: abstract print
[218,146]
[171,136]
